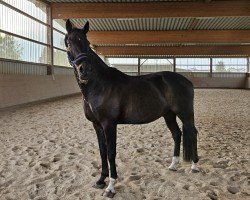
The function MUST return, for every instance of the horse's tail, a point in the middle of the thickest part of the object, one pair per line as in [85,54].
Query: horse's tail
[189,143]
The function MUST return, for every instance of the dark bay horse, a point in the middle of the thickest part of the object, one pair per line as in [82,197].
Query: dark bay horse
[111,97]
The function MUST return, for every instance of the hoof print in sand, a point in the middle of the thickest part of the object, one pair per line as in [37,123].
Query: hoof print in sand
[221,164]
[134,177]
[232,189]
[96,165]
[140,150]
[57,158]
[212,195]
[45,165]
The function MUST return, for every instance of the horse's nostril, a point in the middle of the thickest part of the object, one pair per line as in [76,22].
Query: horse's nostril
[81,69]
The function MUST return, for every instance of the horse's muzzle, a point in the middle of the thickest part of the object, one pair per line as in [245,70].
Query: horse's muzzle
[83,76]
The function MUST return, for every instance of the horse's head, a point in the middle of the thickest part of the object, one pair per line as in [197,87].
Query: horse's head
[78,50]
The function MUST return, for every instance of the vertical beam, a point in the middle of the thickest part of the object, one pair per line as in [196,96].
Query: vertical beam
[139,67]
[174,65]
[248,64]
[211,67]
[50,67]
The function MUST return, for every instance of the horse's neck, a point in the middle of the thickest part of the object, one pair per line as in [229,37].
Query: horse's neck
[100,68]
[97,61]
[104,76]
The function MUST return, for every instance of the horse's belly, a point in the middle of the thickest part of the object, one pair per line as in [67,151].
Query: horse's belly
[143,112]
[139,120]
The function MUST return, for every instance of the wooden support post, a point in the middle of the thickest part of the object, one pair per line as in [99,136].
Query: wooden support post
[139,67]
[174,64]
[248,65]
[50,67]
[211,67]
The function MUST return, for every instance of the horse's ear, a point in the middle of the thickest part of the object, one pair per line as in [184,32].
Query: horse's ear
[69,26]
[85,29]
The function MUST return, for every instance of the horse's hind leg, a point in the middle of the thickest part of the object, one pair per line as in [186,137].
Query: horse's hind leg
[170,119]
[190,141]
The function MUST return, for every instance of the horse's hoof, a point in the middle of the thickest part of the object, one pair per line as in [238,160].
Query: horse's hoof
[172,169]
[195,170]
[99,186]
[108,194]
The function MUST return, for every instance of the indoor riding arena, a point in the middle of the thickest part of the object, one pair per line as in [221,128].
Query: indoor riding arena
[49,149]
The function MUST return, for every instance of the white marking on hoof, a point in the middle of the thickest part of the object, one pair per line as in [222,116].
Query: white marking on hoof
[174,164]
[194,168]
[111,185]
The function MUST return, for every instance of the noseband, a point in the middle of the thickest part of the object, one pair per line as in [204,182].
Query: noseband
[81,57]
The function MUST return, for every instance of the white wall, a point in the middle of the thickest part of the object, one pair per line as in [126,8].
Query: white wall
[20,89]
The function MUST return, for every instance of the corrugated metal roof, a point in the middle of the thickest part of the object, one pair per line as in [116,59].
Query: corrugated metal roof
[216,23]
[161,24]
[223,23]
[135,24]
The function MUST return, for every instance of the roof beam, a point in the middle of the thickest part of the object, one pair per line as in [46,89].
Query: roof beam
[187,36]
[150,9]
[184,50]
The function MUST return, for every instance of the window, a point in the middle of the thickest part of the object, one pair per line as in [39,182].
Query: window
[60,55]
[230,65]
[126,65]
[156,65]
[34,8]
[23,32]
[192,64]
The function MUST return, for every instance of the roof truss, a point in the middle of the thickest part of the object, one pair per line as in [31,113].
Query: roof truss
[150,9]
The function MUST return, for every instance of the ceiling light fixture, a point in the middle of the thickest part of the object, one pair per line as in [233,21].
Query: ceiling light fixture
[205,17]
[125,19]
[131,44]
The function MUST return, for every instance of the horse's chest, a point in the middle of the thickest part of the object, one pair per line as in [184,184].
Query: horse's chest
[90,109]
[101,110]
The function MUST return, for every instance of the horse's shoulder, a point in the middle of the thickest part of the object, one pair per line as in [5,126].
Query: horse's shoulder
[87,111]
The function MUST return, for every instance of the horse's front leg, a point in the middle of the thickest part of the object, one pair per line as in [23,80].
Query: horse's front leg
[110,133]
[100,184]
